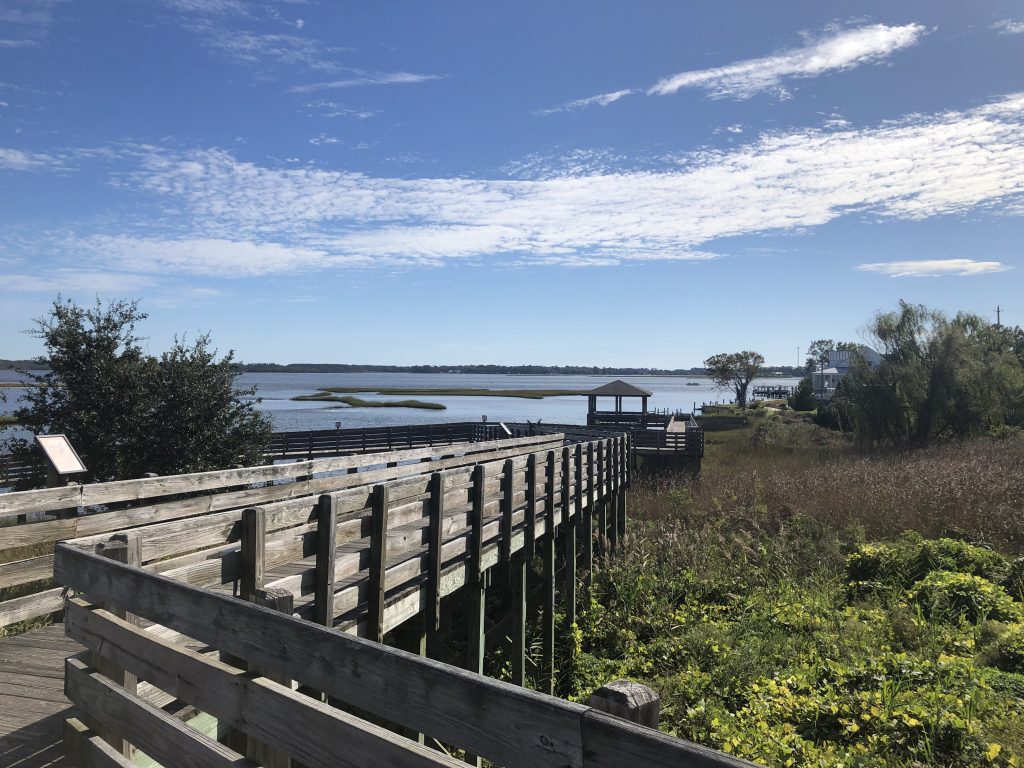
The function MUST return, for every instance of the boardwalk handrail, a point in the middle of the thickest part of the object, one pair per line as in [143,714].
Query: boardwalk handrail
[177,497]
[334,442]
[501,722]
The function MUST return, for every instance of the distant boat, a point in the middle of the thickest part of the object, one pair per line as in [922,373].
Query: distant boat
[693,383]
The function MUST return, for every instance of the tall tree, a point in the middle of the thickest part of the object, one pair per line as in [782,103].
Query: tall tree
[817,352]
[735,370]
[939,377]
[127,412]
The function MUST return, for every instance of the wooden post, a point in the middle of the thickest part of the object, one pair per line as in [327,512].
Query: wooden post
[476,638]
[252,552]
[588,517]
[569,584]
[531,507]
[124,548]
[518,569]
[326,546]
[435,540]
[613,525]
[547,671]
[507,477]
[263,754]
[628,700]
[602,502]
[566,504]
[378,564]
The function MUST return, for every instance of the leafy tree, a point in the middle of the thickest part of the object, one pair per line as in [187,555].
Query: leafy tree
[817,352]
[803,398]
[939,377]
[735,370]
[127,412]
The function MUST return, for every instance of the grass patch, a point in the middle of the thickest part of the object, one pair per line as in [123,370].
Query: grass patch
[784,614]
[358,402]
[531,394]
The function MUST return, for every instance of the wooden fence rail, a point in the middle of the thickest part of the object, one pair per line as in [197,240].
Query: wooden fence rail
[333,442]
[175,501]
[501,722]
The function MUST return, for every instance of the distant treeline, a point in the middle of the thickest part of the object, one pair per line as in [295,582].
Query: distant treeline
[562,370]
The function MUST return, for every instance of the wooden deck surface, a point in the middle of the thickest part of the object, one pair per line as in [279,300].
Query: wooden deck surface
[32,703]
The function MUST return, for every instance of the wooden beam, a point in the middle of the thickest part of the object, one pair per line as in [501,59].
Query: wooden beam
[547,667]
[529,547]
[518,598]
[434,557]
[253,552]
[507,498]
[378,563]
[326,547]
[264,754]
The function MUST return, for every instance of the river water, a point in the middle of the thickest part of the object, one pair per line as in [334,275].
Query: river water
[277,389]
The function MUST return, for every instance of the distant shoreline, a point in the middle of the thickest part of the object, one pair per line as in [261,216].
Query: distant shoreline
[771,371]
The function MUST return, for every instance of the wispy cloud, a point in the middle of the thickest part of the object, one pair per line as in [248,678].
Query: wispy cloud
[76,281]
[17,160]
[18,43]
[934,267]
[233,218]
[1009,27]
[834,51]
[601,100]
[368,78]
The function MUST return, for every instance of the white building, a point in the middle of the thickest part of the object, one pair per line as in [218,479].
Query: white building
[840,361]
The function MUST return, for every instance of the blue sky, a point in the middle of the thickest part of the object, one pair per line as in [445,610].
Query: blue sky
[575,182]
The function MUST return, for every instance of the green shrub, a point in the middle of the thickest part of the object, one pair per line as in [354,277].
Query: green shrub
[956,597]
[901,564]
[803,398]
[1013,581]
[1009,649]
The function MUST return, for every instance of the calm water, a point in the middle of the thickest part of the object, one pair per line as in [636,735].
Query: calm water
[276,389]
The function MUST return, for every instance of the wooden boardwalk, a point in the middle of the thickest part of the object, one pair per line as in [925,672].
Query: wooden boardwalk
[32,702]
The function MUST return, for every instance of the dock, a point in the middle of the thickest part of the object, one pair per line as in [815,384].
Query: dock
[300,571]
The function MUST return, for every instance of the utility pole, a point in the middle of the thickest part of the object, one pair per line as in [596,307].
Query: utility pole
[999,316]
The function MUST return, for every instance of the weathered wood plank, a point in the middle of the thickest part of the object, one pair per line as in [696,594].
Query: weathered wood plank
[317,735]
[499,721]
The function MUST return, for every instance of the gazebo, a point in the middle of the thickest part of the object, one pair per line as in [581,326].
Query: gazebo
[619,390]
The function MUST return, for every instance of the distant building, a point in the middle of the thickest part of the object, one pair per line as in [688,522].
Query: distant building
[839,363]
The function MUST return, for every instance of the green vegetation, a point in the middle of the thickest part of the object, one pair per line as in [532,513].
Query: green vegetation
[805,604]
[735,370]
[358,402]
[532,394]
[940,378]
[128,412]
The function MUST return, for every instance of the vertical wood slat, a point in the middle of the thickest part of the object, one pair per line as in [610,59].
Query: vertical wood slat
[602,492]
[566,499]
[613,529]
[588,515]
[435,540]
[378,563]
[529,547]
[270,757]
[326,546]
[476,523]
[252,552]
[547,671]
[123,548]
[507,505]
[518,593]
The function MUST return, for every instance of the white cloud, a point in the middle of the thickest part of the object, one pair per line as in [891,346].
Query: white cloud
[934,267]
[601,100]
[209,7]
[17,160]
[1009,27]
[839,50]
[18,43]
[234,218]
[75,280]
[368,78]
[196,256]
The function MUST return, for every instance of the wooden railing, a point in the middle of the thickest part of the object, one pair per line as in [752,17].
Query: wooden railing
[14,471]
[56,514]
[626,419]
[333,442]
[427,537]
[506,724]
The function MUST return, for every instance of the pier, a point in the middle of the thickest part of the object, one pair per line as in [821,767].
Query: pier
[253,602]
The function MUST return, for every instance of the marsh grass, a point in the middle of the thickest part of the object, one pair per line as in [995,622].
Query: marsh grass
[737,598]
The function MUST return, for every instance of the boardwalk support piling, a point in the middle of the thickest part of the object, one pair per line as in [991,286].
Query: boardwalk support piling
[628,700]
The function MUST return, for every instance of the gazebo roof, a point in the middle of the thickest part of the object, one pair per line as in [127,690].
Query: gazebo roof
[620,388]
